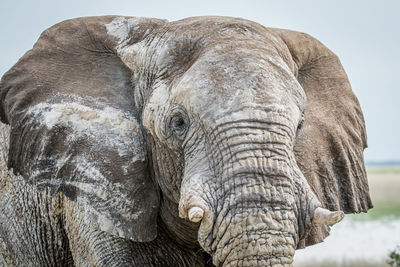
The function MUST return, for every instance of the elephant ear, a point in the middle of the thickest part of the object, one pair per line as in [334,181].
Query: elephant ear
[329,148]
[75,127]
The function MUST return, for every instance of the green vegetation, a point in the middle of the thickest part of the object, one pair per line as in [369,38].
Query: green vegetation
[383,170]
[381,210]
[394,258]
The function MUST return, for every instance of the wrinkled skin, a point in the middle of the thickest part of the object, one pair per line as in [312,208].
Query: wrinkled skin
[206,141]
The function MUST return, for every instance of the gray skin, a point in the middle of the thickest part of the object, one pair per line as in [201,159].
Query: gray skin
[206,141]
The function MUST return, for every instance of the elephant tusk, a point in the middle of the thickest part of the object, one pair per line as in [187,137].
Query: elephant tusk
[324,216]
[195,214]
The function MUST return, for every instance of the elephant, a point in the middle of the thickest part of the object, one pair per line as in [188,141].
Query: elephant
[207,141]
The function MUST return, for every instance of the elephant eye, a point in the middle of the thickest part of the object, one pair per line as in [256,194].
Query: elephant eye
[301,124]
[179,123]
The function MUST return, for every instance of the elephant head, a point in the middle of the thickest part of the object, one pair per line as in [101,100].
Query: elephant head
[234,136]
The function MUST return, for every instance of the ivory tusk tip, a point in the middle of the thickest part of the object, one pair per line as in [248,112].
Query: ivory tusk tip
[324,216]
[195,214]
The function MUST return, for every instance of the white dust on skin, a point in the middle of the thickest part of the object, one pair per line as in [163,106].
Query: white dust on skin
[121,29]
[106,126]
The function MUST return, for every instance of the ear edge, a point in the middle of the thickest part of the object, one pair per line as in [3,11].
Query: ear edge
[340,182]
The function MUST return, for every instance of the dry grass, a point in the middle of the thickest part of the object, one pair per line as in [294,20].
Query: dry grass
[384,184]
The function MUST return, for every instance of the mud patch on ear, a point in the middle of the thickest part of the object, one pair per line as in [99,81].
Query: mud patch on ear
[96,156]
[108,125]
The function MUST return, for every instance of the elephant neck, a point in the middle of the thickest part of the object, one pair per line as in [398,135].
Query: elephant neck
[181,230]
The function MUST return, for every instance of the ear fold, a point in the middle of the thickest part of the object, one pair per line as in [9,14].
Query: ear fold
[329,149]
[74,124]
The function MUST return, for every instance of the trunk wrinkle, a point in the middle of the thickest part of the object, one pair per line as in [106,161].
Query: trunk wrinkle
[262,246]
[253,185]
[221,128]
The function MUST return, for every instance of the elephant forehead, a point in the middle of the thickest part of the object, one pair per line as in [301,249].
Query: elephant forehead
[240,78]
[173,47]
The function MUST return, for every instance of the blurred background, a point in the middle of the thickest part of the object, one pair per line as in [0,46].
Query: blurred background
[364,34]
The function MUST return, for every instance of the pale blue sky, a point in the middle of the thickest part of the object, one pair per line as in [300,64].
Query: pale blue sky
[364,34]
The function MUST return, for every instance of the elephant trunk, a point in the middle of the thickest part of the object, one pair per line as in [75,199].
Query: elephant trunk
[243,196]
[257,224]
[254,233]
[251,230]
[252,201]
